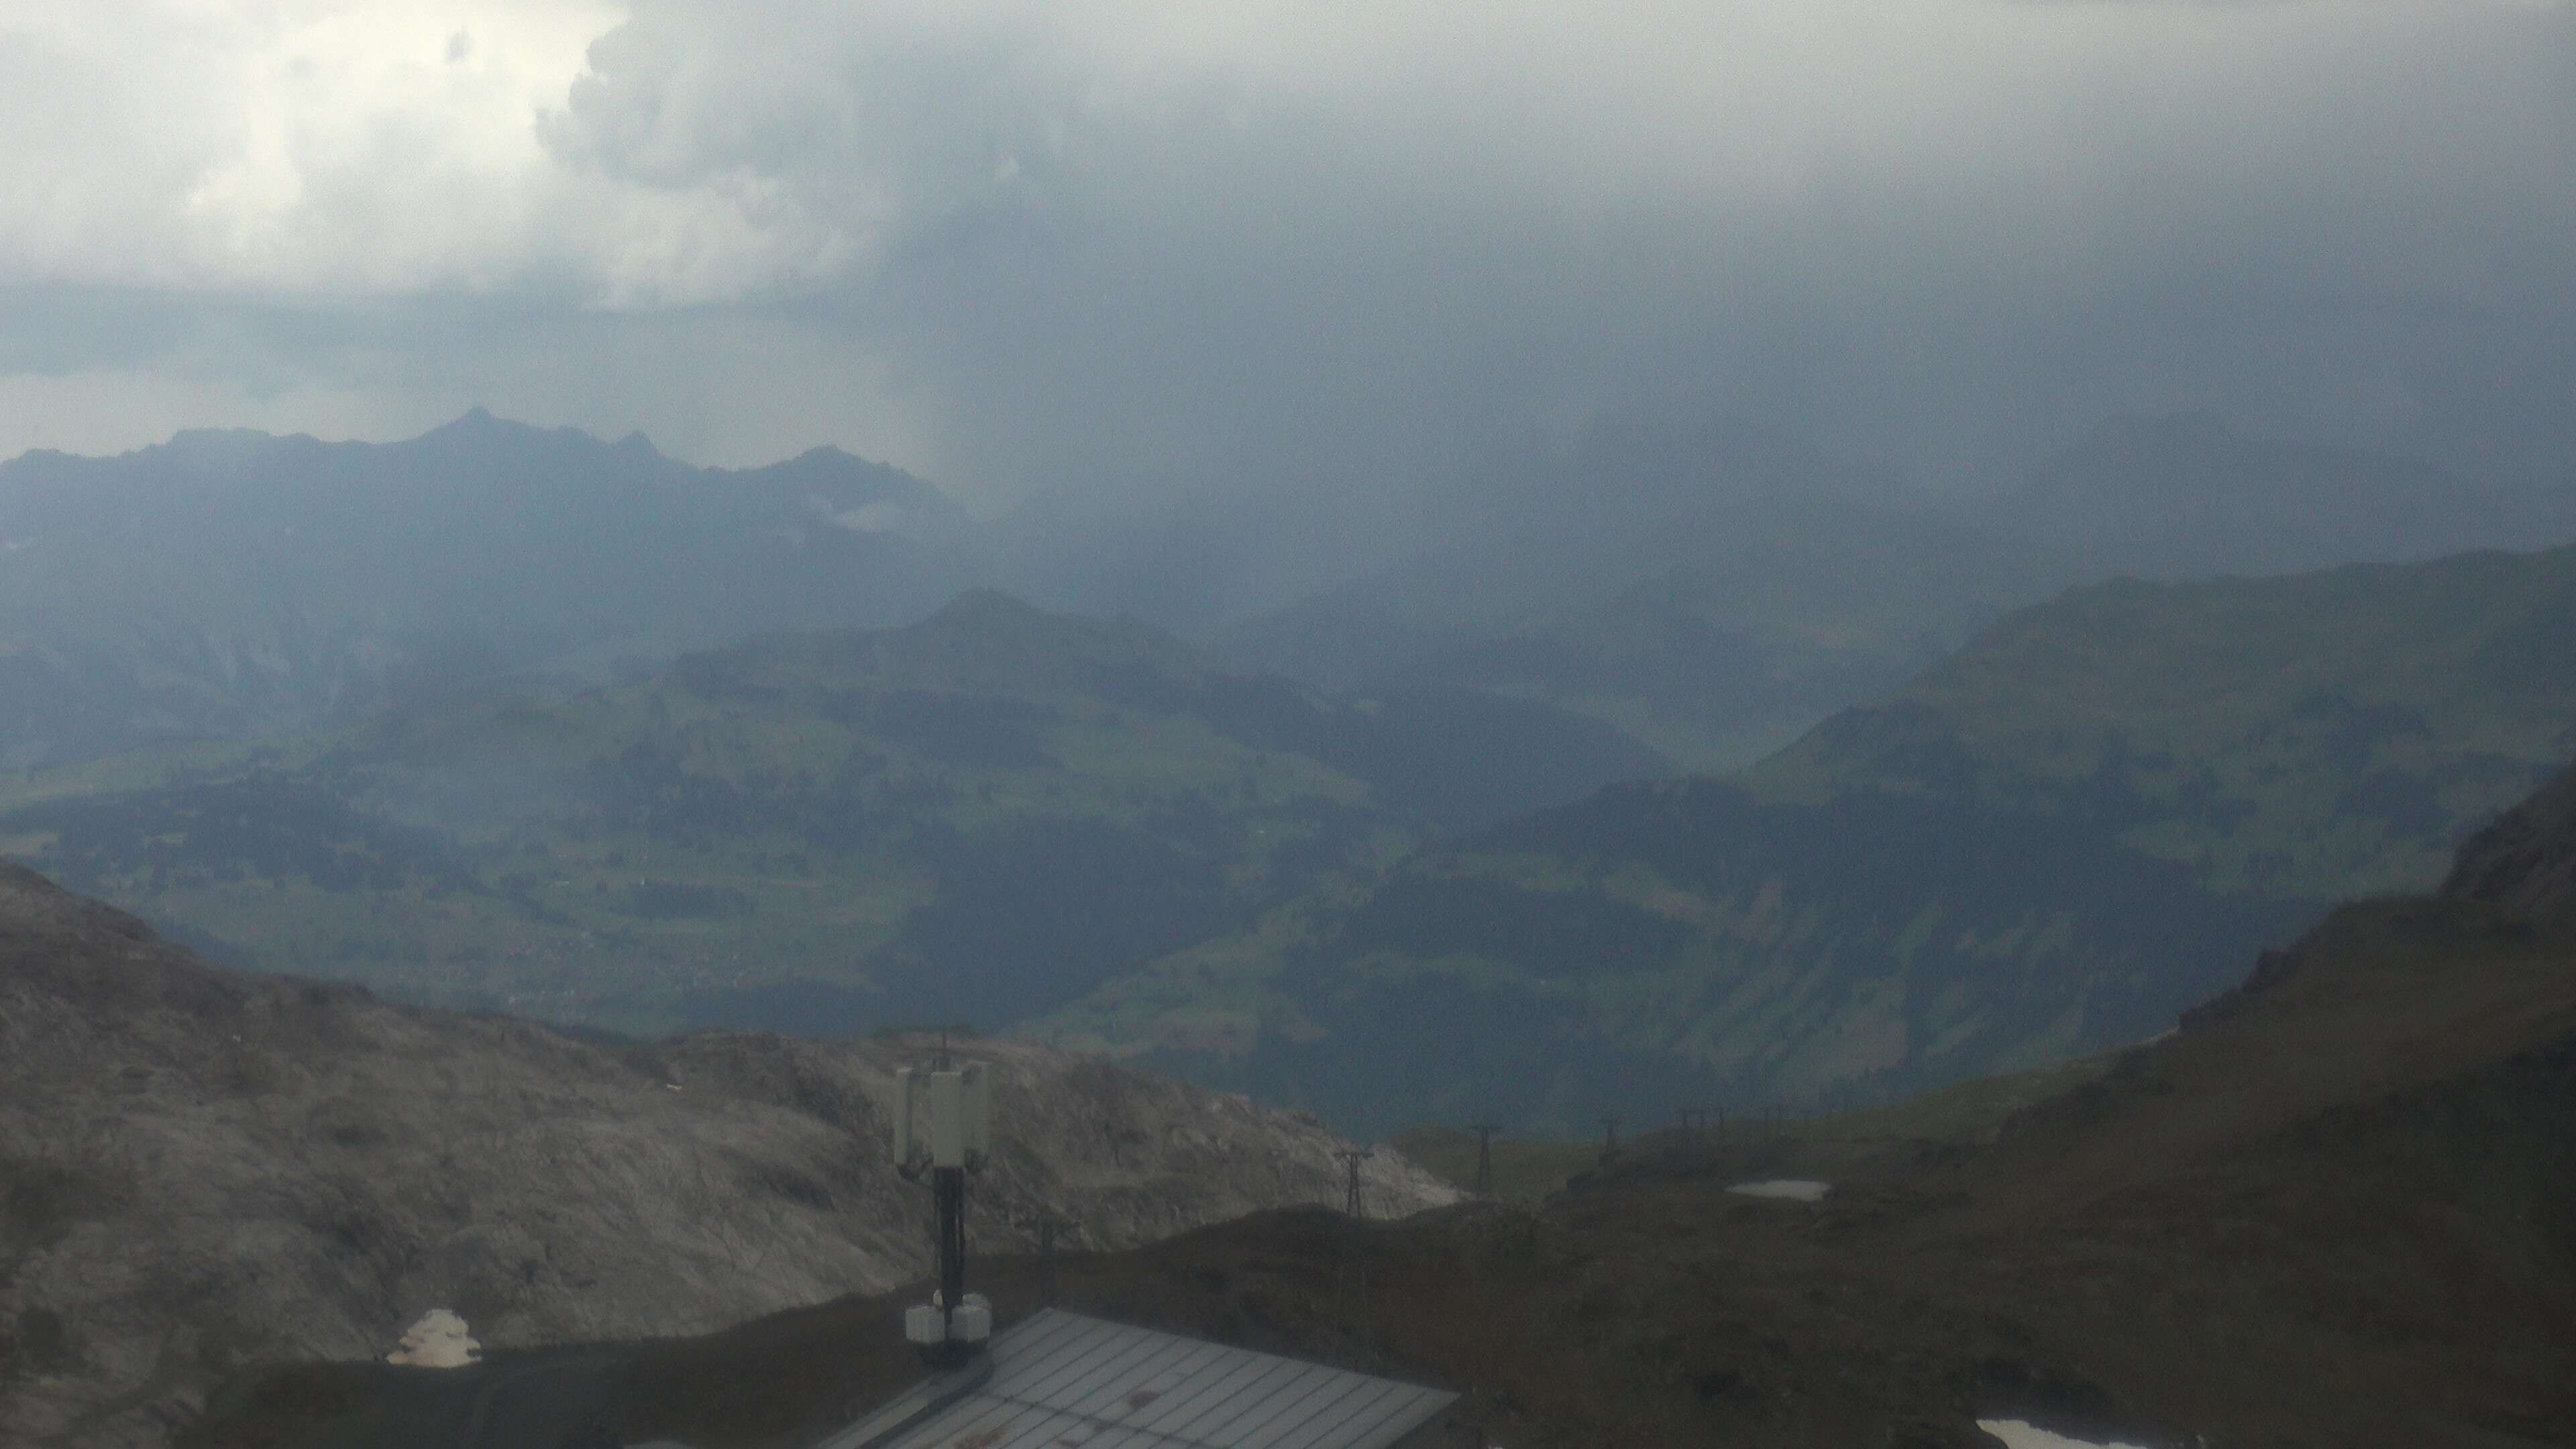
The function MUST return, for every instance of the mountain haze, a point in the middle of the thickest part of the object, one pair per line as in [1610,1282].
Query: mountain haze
[2050,844]
[976,817]
[1712,586]
[2189,495]
[1717,586]
[233,584]
[2317,734]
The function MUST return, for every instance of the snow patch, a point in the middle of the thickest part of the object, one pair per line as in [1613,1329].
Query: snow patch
[1796,1189]
[2019,1435]
[438,1340]
[884,516]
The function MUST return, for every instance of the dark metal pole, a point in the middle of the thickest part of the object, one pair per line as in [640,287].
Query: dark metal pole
[1046,1260]
[949,1183]
[1351,1158]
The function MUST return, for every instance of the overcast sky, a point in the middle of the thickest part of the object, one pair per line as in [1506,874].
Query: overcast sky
[1307,243]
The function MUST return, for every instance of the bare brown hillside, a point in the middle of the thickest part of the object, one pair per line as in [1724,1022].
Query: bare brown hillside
[2526,860]
[203,1170]
[2337,1208]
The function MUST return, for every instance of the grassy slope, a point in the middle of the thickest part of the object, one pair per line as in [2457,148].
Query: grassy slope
[2317,734]
[2048,845]
[968,819]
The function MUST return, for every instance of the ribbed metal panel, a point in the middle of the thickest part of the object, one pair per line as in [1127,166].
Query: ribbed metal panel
[1062,1381]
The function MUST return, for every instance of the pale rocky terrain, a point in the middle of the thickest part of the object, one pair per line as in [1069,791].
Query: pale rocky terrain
[201,1170]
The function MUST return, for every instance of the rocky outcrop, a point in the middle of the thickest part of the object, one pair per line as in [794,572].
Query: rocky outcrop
[201,1170]
[2526,860]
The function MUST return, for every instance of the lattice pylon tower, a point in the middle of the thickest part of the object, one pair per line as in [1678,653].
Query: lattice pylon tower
[1353,1288]
[1351,1158]
[1484,1158]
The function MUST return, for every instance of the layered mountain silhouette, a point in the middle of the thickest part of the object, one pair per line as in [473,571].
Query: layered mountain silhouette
[233,584]
[1712,588]
[1716,589]
[2189,495]
[973,818]
[2050,844]
[1712,585]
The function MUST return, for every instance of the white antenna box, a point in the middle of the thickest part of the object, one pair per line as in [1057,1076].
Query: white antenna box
[959,1105]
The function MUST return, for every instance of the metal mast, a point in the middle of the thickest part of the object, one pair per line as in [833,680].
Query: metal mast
[1351,1158]
[954,1324]
[1048,1224]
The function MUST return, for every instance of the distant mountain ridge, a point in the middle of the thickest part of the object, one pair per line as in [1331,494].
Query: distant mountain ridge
[975,817]
[2191,496]
[232,584]
[2322,734]
[1711,586]
[1715,588]
[2049,844]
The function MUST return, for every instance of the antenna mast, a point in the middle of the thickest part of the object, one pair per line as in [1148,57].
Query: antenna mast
[954,1324]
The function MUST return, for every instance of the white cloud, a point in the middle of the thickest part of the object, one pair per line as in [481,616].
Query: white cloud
[696,152]
[1180,237]
[108,409]
[322,147]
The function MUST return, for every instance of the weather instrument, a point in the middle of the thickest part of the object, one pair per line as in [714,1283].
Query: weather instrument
[955,1105]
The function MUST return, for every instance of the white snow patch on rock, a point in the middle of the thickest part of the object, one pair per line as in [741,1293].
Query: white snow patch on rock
[438,1340]
[2018,1435]
[1796,1189]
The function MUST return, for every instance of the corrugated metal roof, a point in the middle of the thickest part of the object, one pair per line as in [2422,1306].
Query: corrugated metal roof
[1060,1380]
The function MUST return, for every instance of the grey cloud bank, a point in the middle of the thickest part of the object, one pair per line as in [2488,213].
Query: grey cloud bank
[1267,247]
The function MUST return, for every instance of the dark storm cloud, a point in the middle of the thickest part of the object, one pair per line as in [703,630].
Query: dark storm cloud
[1273,245]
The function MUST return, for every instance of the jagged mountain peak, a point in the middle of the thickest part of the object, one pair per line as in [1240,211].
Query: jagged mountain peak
[228,584]
[479,430]
[477,422]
